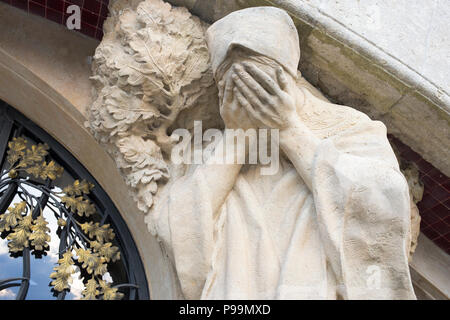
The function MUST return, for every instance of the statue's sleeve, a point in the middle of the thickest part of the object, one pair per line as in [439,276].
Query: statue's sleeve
[363,208]
[185,223]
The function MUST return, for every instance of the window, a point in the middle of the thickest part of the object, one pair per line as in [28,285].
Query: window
[61,236]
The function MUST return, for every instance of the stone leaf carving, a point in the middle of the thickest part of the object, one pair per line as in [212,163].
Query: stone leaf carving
[152,64]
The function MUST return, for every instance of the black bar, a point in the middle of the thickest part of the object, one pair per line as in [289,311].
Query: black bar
[62,248]
[25,274]
[8,197]
[9,285]
[26,252]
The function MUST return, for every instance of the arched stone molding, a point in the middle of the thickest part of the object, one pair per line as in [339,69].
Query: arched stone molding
[353,70]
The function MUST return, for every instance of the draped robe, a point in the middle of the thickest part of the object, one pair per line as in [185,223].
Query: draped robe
[274,238]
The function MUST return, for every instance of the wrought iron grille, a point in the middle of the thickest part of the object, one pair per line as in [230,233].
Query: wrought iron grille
[61,237]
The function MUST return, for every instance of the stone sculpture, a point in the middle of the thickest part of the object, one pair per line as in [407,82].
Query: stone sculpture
[334,222]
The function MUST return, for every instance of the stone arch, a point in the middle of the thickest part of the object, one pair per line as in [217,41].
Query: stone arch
[29,93]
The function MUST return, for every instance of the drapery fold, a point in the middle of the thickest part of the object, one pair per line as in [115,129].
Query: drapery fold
[275,238]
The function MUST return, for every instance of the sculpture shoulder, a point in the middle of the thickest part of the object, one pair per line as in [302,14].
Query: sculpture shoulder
[327,119]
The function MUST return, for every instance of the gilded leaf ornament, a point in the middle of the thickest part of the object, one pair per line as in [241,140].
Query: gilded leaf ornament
[25,227]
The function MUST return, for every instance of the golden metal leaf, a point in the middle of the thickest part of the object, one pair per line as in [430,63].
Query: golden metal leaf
[92,262]
[25,231]
[79,205]
[36,154]
[90,292]
[78,188]
[16,149]
[40,237]
[106,250]
[19,239]
[61,222]
[95,231]
[108,292]
[31,160]
[45,170]
[9,220]
[63,272]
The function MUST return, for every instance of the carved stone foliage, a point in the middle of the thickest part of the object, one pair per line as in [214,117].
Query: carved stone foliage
[152,64]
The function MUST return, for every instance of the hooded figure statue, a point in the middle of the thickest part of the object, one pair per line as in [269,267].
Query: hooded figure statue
[332,223]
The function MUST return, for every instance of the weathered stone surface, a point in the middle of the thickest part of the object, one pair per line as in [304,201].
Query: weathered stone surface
[151,65]
[338,205]
[423,127]
[359,61]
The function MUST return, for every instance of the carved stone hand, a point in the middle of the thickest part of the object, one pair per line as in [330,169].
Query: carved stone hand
[269,103]
[234,116]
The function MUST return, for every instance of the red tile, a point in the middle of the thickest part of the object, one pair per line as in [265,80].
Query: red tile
[22,4]
[54,15]
[431,233]
[93,6]
[410,155]
[424,166]
[423,224]
[447,237]
[57,5]
[397,142]
[427,181]
[438,176]
[77,2]
[88,29]
[447,220]
[427,202]
[441,211]
[447,203]
[446,185]
[441,227]
[37,9]
[439,193]
[66,5]
[429,217]
[89,18]
[41,2]
[441,242]
[402,149]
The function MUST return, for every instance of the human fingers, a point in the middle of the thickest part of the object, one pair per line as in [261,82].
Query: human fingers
[262,78]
